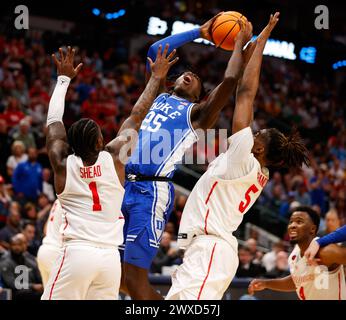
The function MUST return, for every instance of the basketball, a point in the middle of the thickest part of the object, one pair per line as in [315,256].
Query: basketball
[225,28]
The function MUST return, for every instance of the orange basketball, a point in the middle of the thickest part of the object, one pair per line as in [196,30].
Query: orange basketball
[225,28]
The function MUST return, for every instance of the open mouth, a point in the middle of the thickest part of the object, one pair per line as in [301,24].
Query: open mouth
[293,234]
[187,79]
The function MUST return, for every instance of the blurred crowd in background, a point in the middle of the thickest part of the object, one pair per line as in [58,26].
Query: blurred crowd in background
[106,91]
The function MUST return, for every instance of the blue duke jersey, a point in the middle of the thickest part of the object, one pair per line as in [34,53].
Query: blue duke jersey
[165,134]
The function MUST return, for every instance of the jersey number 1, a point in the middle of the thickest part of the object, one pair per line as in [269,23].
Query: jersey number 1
[96,198]
[243,205]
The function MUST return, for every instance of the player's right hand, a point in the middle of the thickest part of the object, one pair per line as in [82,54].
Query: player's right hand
[244,35]
[256,285]
[65,64]
[162,64]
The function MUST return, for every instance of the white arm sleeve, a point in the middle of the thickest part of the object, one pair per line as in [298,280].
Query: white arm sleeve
[57,101]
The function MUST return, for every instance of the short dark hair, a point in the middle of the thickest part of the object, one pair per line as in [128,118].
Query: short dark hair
[287,151]
[314,216]
[28,223]
[82,138]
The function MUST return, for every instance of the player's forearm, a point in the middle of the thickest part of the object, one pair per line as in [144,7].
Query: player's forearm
[222,93]
[285,284]
[145,101]
[337,236]
[57,101]
[175,41]
[235,64]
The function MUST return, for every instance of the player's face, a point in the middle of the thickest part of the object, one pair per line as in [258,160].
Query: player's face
[259,143]
[188,85]
[300,227]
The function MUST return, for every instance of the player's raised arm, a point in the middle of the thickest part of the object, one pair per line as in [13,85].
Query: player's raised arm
[206,113]
[177,40]
[159,70]
[56,140]
[284,284]
[248,85]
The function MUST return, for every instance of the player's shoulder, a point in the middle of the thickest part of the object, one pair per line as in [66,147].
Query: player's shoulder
[244,134]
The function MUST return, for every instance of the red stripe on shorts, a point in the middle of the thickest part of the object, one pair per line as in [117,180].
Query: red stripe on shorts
[56,278]
[206,277]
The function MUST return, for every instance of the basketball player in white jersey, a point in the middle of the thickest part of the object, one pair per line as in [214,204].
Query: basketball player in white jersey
[89,186]
[228,189]
[51,243]
[325,281]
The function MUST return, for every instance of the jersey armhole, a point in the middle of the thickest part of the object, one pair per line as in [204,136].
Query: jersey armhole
[188,118]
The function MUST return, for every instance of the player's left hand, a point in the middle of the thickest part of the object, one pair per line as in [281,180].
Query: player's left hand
[205,29]
[65,64]
[273,20]
[311,252]
[162,64]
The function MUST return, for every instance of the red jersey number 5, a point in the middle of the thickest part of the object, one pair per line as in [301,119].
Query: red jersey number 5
[243,205]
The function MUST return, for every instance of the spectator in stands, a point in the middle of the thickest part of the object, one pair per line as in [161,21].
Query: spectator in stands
[12,227]
[281,268]
[332,221]
[5,200]
[29,231]
[27,178]
[5,147]
[13,113]
[30,212]
[270,258]
[246,268]
[24,134]
[302,195]
[18,156]
[166,255]
[17,257]
[257,255]
[47,187]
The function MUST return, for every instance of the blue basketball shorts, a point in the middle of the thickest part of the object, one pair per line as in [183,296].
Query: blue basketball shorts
[146,207]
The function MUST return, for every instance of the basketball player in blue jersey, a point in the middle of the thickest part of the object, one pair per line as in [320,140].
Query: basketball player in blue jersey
[166,132]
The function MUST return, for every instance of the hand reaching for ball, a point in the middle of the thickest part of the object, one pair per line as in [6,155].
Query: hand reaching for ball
[245,33]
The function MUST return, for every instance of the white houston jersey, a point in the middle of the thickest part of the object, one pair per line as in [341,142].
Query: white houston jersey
[316,282]
[221,197]
[91,202]
[53,236]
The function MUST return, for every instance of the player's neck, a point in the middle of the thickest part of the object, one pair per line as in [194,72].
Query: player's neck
[181,95]
[304,246]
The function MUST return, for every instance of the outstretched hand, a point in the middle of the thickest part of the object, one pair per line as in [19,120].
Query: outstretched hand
[65,64]
[162,64]
[273,20]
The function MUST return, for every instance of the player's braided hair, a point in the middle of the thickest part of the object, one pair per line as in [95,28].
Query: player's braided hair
[82,137]
[287,151]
